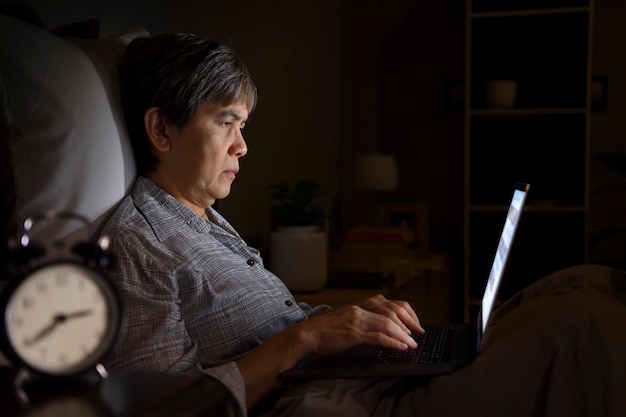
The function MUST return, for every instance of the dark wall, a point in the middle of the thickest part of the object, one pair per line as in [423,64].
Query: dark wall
[417,62]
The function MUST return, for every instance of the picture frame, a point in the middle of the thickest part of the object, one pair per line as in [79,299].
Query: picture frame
[412,215]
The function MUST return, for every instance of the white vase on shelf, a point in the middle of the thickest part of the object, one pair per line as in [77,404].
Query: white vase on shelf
[298,256]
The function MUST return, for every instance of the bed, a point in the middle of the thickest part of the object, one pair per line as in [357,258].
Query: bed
[68,145]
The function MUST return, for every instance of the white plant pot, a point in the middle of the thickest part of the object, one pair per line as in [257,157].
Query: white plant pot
[298,256]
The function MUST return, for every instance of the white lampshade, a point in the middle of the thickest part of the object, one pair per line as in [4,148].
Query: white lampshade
[376,172]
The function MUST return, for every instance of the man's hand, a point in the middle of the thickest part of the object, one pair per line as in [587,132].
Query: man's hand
[375,320]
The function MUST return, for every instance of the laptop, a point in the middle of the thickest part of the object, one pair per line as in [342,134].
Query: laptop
[443,349]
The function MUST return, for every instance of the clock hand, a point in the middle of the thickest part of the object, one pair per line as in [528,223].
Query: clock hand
[76,314]
[45,331]
[56,320]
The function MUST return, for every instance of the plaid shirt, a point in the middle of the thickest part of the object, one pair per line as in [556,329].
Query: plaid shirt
[195,294]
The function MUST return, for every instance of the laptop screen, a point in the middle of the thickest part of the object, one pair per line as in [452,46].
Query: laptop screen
[502,254]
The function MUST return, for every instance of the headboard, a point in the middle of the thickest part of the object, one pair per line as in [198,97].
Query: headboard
[67,144]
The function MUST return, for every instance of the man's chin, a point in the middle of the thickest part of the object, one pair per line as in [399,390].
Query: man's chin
[222,194]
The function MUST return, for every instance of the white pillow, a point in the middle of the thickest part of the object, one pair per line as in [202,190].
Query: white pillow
[70,147]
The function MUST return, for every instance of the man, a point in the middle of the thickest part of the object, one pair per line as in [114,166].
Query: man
[196,296]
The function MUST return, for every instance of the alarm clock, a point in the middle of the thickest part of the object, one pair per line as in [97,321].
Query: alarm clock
[61,318]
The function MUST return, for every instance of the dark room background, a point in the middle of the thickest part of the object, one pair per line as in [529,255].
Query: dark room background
[338,78]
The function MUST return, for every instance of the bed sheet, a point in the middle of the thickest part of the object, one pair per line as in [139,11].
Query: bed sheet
[554,349]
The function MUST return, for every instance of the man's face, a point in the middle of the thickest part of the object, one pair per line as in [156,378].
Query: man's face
[203,159]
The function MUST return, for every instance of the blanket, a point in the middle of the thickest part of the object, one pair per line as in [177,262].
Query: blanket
[557,348]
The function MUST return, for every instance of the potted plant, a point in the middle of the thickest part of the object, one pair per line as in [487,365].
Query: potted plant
[298,248]
[296,207]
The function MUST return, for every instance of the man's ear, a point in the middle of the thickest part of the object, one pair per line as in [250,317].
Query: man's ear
[155,123]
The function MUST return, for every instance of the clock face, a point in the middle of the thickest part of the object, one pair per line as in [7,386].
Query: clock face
[61,319]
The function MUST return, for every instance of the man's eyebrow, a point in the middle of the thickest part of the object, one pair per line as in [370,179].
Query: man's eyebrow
[230,113]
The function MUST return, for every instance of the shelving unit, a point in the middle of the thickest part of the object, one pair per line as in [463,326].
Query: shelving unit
[545,46]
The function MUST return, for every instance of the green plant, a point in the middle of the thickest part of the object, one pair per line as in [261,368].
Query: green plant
[296,207]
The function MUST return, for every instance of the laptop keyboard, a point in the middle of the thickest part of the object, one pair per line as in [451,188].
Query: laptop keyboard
[430,349]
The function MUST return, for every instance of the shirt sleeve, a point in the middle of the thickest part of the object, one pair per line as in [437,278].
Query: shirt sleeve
[154,335]
[310,311]
[228,374]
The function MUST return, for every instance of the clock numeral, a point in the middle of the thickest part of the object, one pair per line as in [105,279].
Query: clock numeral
[86,349]
[41,287]
[27,303]
[61,280]
[17,321]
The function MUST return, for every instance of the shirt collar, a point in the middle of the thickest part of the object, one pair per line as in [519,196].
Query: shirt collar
[153,201]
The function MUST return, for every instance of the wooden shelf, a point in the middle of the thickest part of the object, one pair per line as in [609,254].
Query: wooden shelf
[529,12]
[543,139]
